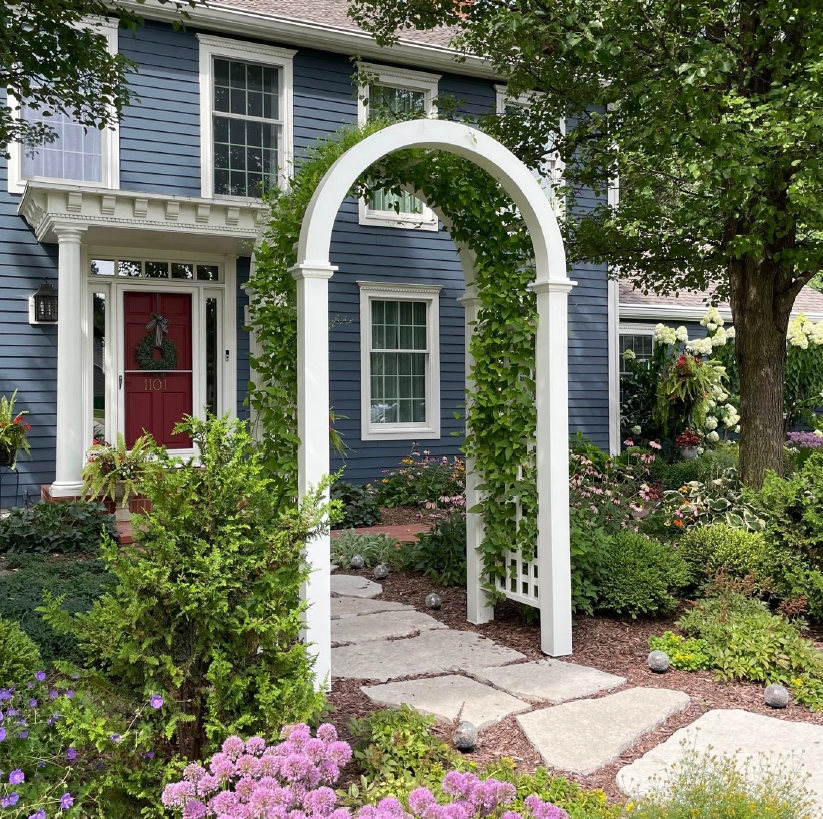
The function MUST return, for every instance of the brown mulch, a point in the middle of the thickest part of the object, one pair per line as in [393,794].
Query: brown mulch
[406,516]
[614,646]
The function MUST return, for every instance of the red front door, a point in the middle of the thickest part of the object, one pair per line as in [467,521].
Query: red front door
[156,399]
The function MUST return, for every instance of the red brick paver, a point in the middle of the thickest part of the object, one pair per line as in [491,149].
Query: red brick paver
[405,534]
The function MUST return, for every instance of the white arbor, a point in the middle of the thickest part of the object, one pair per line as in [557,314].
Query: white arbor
[548,588]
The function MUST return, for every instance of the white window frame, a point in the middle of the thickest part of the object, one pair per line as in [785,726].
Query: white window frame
[631,330]
[389,291]
[241,51]
[555,167]
[109,137]
[411,81]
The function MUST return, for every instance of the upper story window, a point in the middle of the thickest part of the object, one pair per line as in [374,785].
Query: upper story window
[396,92]
[400,361]
[549,172]
[245,117]
[85,156]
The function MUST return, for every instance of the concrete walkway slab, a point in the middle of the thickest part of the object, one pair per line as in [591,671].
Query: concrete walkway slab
[387,625]
[432,652]
[355,606]
[349,585]
[446,697]
[550,680]
[799,744]
[584,736]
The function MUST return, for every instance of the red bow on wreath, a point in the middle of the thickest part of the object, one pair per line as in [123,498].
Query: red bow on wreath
[160,325]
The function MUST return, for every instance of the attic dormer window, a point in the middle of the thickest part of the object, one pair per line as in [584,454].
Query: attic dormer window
[245,92]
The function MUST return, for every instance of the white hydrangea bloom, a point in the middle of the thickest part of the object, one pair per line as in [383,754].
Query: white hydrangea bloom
[629,355]
[731,332]
[713,437]
[636,430]
[712,317]
[800,328]
[816,335]
[711,326]
[819,433]
[712,404]
[719,338]
[737,429]
[700,450]
[664,335]
[700,346]
[682,334]
[711,422]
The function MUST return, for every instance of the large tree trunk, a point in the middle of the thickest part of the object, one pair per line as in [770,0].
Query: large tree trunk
[761,318]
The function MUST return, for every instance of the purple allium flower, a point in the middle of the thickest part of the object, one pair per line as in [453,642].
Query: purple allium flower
[194,809]
[327,732]
[255,745]
[40,676]
[16,777]
[66,801]
[193,773]
[156,701]
[71,754]
[420,799]
[233,747]
[805,440]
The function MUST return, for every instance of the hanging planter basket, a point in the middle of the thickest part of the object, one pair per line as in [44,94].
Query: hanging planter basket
[7,457]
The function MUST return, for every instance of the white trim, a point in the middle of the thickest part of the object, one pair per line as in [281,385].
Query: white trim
[281,58]
[393,77]
[430,294]
[613,289]
[636,329]
[109,137]
[254,22]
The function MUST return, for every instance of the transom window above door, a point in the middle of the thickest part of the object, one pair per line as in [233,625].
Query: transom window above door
[396,93]
[245,120]
[187,271]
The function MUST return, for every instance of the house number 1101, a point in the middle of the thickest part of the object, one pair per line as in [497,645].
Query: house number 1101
[154,384]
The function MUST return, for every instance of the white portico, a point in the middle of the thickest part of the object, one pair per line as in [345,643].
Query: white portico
[124,256]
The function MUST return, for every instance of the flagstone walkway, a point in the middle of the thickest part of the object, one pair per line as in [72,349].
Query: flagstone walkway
[403,655]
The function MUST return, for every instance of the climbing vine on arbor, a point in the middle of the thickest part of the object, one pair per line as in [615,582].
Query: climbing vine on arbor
[500,412]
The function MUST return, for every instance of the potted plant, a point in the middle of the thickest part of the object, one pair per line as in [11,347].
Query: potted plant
[114,471]
[688,441]
[13,431]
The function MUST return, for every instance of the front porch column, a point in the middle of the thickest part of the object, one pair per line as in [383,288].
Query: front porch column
[71,446]
[552,399]
[313,452]
[480,609]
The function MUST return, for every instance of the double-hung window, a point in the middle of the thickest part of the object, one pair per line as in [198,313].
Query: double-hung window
[549,171]
[400,363]
[77,154]
[396,93]
[245,117]
[637,339]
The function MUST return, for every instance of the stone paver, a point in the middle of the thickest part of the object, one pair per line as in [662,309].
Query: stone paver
[734,732]
[438,651]
[405,533]
[584,736]
[550,680]
[444,697]
[385,625]
[350,585]
[355,606]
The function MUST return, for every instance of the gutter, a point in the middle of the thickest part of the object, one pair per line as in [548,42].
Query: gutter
[262,26]
[671,312]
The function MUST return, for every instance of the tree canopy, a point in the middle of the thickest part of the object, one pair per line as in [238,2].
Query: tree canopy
[710,112]
[54,58]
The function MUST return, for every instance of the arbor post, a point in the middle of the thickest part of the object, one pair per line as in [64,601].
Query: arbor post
[552,450]
[313,450]
[480,609]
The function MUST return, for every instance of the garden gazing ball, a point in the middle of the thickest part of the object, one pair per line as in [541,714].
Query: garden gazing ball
[658,662]
[433,600]
[381,571]
[776,696]
[465,737]
[357,562]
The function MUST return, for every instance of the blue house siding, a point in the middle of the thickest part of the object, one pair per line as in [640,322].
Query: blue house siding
[160,132]
[28,354]
[160,152]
